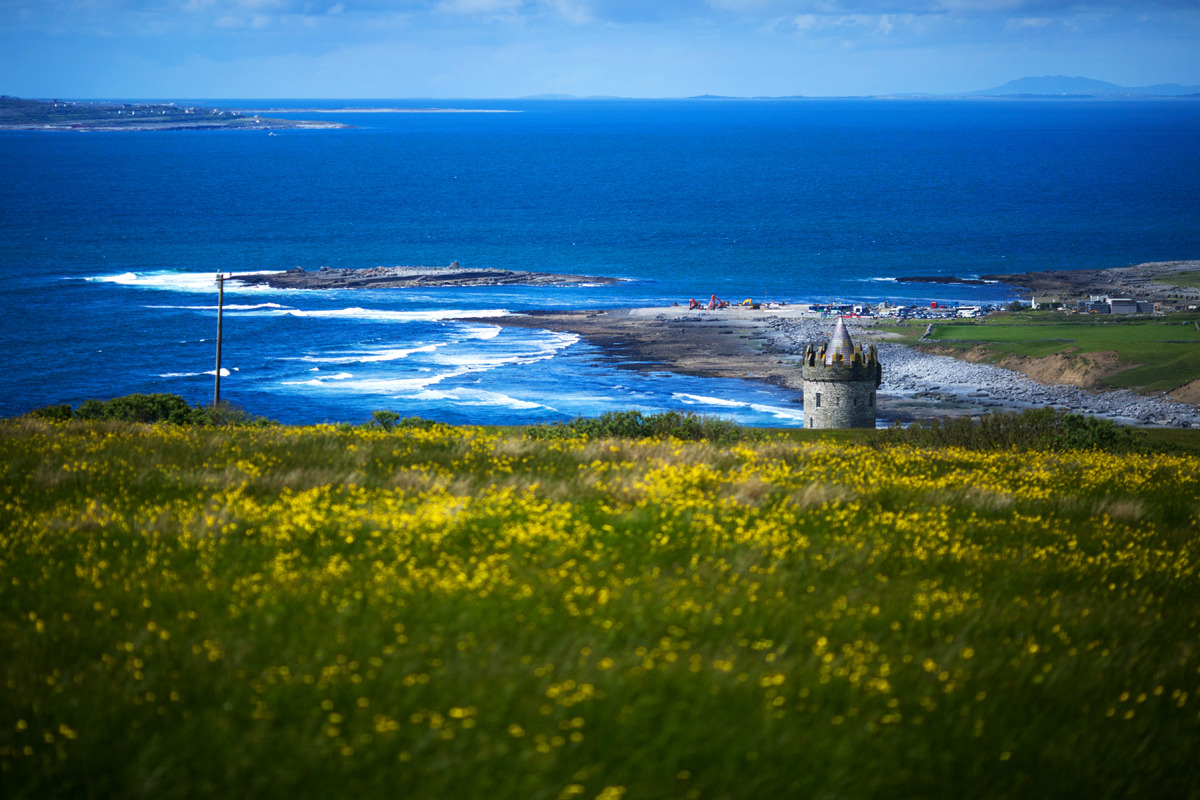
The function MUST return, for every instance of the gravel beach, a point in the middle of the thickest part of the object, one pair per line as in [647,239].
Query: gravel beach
[766,345]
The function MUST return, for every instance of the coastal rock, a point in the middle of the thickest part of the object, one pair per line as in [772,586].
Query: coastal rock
[399,277]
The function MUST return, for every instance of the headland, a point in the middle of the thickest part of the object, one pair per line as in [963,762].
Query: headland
[767,345]
[410,277]
[58,115]
[921,379]
[1171,283]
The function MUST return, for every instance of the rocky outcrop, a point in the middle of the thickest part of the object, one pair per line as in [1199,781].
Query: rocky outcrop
[399,277]
[1171,282]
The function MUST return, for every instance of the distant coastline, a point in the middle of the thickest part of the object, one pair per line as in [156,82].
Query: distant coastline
[57,115]
[369,110]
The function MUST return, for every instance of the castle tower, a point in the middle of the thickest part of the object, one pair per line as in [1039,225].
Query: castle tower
[840,380]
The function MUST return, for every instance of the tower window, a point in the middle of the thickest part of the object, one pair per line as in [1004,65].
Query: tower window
[818,399]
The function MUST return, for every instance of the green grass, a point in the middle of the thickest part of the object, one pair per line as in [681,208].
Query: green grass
[458,612]
[1161,353]
[1190,279]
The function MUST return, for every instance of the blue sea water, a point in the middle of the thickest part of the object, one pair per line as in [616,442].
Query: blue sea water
[109,242]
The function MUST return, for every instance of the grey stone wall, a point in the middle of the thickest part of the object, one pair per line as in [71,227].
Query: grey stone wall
[841,393]
[839,403]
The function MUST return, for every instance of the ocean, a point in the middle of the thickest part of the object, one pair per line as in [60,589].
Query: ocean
[109,242]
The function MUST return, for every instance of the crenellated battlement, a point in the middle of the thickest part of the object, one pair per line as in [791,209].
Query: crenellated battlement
[840,379]
[863,364]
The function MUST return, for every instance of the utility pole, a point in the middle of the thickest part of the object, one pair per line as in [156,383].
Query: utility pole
[220,315]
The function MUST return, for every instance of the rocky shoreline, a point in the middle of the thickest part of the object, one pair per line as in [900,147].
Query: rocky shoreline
[36,115]
[920,385]
[767,345]
[401,277]
[1165,282]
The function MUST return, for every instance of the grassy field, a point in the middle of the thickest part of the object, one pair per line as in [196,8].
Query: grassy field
[1158,354]
[458,612]
[1191,279]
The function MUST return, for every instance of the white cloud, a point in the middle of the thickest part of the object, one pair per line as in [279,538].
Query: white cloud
[1019,23]
[572,11]
[480,8]
[262,5]
[628,47]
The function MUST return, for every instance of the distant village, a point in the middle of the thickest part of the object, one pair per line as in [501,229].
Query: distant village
[1097,304]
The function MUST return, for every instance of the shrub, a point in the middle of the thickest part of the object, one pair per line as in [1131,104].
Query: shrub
[58,413]
[1040,429]
[226,415]
[146,408]
[385,419]
[152,408]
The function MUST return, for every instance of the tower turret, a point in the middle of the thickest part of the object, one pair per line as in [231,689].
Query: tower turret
[840,381]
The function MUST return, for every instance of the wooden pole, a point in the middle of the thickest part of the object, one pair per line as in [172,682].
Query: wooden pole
[220,315]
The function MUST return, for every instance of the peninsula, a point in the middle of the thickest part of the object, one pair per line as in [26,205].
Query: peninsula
[401,277]
[1166,282]
[1136,369]
[1169,283]
[58,115]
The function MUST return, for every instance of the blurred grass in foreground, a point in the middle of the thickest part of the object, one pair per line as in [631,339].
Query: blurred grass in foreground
[457,612]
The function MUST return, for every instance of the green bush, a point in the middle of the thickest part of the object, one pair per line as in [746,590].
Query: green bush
[147,408]
[1040,429]
[58,413]
[152,408]
[385,419]
[226,415]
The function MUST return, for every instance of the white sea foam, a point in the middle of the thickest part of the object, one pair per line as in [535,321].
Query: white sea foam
[369,356]
[695,399]
[228,307]
[479,397]
[774,411]
[484,332]
[170,280]
[385,386]
[475,361]
[224,373]
[778,413]
[387,315]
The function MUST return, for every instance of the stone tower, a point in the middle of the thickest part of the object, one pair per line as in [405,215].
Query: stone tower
[840,382]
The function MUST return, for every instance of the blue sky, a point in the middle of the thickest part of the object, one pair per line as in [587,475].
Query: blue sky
[649,48]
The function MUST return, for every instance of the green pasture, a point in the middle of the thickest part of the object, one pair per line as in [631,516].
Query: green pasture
[1191,279]
[1163,353]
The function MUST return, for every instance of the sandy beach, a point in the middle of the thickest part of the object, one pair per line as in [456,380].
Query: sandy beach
[766,344]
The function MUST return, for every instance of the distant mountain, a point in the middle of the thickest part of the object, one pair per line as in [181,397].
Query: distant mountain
[1062,86]
[571,97]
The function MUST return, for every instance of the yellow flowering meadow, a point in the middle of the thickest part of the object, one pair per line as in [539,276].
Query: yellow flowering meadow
[451,612]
